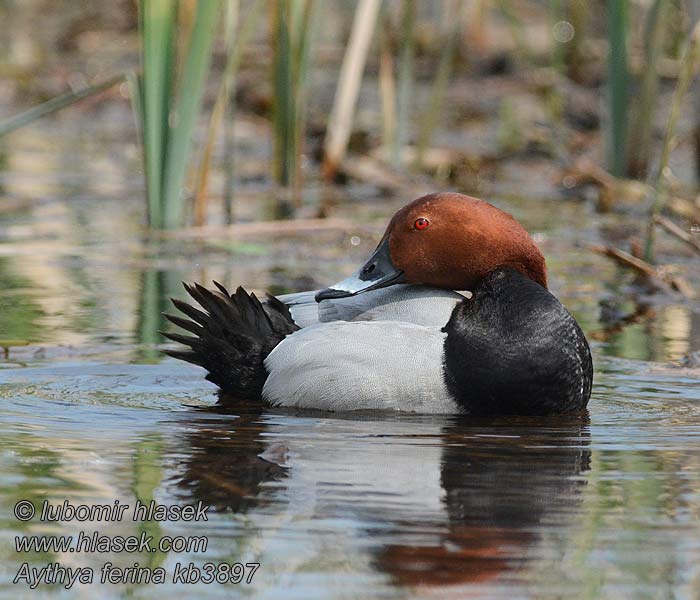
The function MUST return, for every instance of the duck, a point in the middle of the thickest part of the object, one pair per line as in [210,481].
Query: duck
[451,314]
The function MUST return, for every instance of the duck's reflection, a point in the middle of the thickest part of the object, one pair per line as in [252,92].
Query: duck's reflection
[427,501]
[502,482]
[226,461]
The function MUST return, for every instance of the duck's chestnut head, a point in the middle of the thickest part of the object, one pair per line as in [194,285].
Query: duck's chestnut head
[446,240]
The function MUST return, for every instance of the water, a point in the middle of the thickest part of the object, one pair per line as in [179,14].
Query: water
[366,505]
[332,506]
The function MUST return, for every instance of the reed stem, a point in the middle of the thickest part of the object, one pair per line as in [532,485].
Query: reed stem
[431,116]
[387,86]
[405,79]
[342,113]
[640,133]
[235,42]
[46,108]
[689,66]
[618,85]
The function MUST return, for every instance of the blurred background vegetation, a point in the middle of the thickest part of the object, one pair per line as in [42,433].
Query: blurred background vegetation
[214,123]
[375,90]
[266,143]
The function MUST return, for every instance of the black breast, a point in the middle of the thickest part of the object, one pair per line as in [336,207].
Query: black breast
[513,349]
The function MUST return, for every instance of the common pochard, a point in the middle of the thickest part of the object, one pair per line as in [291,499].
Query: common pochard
[398,334]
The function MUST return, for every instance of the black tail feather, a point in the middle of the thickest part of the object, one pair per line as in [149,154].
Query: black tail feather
[190,357]
[190,326]
[221,288]
[196,315]
[186,340]
[232,337]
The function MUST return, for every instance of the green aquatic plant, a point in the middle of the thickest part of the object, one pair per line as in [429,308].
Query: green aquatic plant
[235,40]
[639,142]
[689,67]
[168,97]
[20,314]
[147,476]
[294,24]
[618,85]
[438,90]
[50,106]
[387,84]
[405,79]
[559,29]
[156,288]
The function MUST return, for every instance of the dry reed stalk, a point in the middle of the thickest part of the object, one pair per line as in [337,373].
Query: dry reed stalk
[342,113]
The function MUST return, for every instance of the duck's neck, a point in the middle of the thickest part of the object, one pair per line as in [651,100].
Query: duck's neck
[514,349]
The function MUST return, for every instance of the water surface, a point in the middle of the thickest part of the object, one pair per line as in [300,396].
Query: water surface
[367,505]
[333,506]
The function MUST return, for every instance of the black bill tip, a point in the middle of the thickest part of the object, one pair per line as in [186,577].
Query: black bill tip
[331,294]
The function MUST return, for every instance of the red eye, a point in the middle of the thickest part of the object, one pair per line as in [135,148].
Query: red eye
[421,223]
